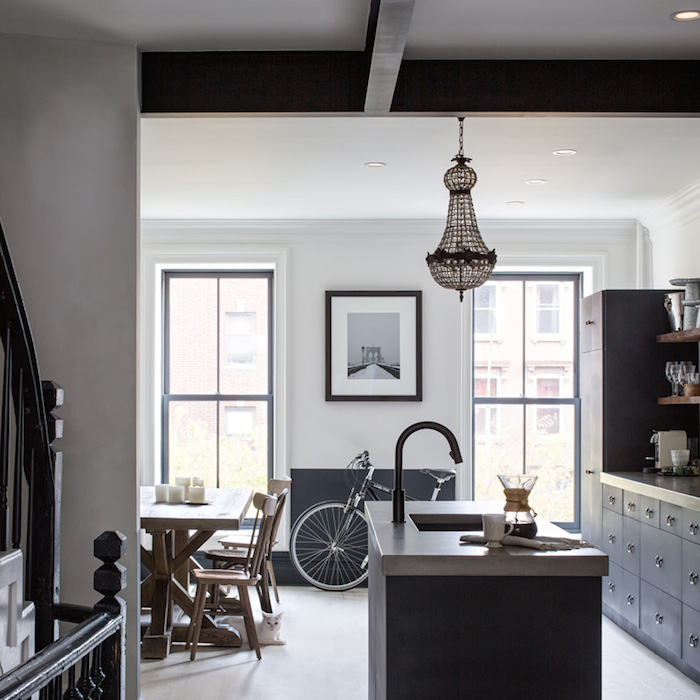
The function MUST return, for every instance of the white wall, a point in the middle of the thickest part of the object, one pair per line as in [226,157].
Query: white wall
[674,231]
[68,204]
[369,255]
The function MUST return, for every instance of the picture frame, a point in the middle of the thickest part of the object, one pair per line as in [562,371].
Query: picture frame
[374,346]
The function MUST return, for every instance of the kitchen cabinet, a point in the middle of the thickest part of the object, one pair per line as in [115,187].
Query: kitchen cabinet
[621,379]
[652,590]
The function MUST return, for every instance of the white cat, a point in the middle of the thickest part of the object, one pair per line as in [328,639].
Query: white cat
[269,629]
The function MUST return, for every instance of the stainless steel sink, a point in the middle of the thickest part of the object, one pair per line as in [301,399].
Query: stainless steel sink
[446,522]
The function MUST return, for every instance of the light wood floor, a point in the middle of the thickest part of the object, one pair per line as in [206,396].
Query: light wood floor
[325,658]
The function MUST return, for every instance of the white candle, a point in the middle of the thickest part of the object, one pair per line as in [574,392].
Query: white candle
[196,481]
[196,494]
[184,481]
[176,494]
[162,493]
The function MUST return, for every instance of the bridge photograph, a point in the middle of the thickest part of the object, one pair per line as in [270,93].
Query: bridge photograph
[374,345]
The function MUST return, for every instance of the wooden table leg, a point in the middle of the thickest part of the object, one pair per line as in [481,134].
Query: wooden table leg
[156,641]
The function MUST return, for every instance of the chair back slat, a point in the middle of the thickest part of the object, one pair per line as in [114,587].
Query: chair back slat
[276,486]
[266,506]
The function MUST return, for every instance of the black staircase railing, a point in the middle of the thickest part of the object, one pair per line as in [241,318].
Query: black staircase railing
[36,464]
[89,661]
[30,473]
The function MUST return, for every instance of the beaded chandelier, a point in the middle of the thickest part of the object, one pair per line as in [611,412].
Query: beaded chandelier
[461,260]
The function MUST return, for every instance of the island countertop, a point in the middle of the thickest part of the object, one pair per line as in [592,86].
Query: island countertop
[407,551]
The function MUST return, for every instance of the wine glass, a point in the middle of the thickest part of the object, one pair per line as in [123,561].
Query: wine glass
[672,369]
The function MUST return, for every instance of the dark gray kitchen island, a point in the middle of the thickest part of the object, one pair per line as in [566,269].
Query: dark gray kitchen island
[448,620]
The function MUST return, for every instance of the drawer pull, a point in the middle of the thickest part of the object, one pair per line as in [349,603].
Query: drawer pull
[650,512]
[630,599]
[659,618]
[590,323]
[631,507]
[693,639]
[693,528]
[658,560]
[611,586]
[693,578]
[611,500]
[611,538]
[670,519]
[630,547]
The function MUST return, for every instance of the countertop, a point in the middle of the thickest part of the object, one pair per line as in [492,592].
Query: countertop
[406,551]
[683,491]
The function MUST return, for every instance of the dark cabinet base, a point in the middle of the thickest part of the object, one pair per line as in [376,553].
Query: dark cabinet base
[484,637]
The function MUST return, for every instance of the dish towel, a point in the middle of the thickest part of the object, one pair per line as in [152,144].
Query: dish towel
[543,543]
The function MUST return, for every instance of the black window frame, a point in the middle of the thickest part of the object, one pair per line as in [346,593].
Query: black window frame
[217,397]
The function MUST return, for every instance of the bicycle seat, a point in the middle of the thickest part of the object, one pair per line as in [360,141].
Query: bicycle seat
[444,474]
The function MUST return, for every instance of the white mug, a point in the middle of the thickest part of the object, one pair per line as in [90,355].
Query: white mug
[495,529]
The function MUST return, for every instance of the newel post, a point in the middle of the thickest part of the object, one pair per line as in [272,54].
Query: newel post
[109,580]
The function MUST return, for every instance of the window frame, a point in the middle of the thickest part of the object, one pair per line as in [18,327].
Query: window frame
[526,400]
[216,398]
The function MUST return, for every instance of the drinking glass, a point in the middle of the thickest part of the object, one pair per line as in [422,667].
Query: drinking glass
[672,370]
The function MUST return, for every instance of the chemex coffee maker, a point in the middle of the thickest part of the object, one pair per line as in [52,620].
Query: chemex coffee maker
[664,441]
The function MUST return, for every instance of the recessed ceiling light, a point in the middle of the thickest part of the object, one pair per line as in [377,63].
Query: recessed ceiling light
[375,164]
[564,152]
[685,15]
[536,181]
[515,203]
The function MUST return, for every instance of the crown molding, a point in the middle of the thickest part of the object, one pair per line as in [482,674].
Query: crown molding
[677,211]
[314,231]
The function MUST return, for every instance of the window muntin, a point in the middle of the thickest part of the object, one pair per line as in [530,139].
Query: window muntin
[217,399]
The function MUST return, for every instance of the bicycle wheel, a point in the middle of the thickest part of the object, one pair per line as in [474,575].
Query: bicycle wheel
[329,546]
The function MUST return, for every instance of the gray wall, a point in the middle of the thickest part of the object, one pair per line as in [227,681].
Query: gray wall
[69,207]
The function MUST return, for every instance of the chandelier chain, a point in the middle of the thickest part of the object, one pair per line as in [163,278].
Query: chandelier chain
[461,136]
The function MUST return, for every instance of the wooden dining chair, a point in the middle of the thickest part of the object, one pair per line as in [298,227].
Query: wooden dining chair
[229,557]
[209,580]
[237,542]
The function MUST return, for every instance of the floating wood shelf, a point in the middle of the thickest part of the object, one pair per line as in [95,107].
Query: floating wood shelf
[668,400]
[690,336]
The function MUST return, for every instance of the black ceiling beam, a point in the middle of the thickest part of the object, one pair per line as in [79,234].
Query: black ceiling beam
[252,81]
[328,82]
[575,86]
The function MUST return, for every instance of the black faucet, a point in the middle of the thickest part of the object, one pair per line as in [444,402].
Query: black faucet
[399,494]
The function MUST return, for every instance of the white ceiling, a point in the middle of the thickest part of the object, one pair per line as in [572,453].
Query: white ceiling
[301,167]
[313,167]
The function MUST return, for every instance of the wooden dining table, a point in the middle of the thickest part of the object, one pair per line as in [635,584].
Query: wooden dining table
[177,532]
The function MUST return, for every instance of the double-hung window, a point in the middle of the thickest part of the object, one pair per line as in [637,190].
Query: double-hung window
[525,392]
[217,384]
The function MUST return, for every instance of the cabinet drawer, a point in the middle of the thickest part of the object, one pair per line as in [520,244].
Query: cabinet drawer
[612,536]
[671,518]
[613,588]
[629,600]
[630,545]
[612,498]
[691,525]
[690,574]
[661,559]
[650,511]
[690,639]
[631,504]
[660,617]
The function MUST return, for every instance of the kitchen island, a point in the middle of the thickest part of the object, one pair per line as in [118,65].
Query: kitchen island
[450,620]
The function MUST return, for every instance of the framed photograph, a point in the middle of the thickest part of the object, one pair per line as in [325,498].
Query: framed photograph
[373,346]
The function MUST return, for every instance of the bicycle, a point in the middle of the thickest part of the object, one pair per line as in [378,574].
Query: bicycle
[328,543]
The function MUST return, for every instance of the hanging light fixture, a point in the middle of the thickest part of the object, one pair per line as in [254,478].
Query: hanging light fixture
[461,260]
